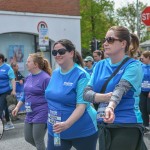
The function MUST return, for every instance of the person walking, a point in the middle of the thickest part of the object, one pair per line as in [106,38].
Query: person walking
[98,55]
[126,131]
[19,77]
[145,93]
[34,99]
[71,120]
[89,61]
[7,87]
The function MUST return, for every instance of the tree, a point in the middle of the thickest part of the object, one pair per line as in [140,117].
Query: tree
[97,17]
[127,16]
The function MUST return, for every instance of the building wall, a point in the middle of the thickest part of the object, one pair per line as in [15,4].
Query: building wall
[20,19]
[60,7]
[59,27]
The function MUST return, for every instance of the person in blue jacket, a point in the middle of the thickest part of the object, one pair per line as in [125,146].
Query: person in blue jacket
[89,61]
[69,116]
[145,93]
[126,131]
[7,87]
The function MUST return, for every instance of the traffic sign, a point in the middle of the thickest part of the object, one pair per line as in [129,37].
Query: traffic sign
[145,16]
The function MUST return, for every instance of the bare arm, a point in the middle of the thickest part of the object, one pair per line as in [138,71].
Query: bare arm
[13,82]
[15,111]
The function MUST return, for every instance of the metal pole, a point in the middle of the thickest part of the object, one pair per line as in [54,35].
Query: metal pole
[137,12]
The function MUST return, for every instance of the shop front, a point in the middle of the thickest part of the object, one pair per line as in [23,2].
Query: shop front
[20,35]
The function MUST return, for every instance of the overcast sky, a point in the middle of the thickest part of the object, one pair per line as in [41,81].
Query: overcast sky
[120,3]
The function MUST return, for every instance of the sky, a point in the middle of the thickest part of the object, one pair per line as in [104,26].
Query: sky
[120,3]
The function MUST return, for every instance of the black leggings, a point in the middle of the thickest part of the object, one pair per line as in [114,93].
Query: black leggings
[145,107]
[124,139]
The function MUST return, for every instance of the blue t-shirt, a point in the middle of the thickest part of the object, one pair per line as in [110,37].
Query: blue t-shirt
[64,92]
[146,78]
[6,75]
[90,71]
[127,111]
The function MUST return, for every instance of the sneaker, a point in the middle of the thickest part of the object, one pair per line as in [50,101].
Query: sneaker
[8,126]
[147,130]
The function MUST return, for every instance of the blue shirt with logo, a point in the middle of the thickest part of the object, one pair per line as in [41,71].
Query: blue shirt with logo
[64,92]
[6,75]
[127,111]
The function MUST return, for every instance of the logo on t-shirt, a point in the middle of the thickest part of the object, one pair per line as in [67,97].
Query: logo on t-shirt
[2,70]
[68,83]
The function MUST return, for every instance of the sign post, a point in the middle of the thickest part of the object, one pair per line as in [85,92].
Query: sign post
[145,16]
[43,35]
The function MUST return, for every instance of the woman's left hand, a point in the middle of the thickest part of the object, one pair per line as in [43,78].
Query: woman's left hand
[109,115]
[59,127]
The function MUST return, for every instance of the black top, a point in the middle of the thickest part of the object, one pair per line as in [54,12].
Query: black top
[19,76]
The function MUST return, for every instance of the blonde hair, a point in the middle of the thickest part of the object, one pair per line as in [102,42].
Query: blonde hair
[42,62]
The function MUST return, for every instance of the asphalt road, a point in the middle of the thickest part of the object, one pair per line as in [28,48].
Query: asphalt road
[14,139]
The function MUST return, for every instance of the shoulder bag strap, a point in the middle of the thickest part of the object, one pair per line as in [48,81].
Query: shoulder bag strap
[113,74]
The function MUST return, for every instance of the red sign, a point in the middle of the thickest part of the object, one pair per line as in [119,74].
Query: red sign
[145,16]
[41,24]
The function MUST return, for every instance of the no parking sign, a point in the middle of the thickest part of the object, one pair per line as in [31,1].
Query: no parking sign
[43,33]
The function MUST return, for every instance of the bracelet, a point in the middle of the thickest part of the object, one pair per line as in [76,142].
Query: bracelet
[110,108]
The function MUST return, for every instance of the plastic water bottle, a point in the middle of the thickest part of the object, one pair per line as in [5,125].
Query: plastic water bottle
[57,140]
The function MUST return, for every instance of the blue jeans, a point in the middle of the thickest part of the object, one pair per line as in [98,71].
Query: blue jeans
[3,105]
[84,143]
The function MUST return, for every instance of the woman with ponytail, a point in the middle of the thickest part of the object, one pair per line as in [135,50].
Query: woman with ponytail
[125,131]
[34,99]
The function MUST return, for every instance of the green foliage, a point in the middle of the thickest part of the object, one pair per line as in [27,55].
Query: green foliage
[127,16]
[97,17]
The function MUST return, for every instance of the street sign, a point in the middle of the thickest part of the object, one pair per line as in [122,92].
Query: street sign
[145,16]
[43,37]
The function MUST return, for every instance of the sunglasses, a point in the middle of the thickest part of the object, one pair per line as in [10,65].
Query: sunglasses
[111,40]
[61,51]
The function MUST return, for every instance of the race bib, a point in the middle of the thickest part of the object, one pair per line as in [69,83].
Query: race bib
[28,107]
[101,110]
[54,117]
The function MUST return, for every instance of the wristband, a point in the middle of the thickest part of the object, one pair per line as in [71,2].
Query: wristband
[110,108]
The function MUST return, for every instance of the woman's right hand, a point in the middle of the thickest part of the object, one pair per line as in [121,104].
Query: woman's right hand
[15,111]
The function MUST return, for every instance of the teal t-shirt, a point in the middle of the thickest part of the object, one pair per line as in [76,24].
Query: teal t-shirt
[127,111]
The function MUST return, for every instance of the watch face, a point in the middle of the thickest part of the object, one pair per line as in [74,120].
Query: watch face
[1,128]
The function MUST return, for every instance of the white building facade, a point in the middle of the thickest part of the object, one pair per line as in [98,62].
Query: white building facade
[19,32]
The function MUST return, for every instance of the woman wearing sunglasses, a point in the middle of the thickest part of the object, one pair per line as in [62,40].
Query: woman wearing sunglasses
[126,131]
[70,117]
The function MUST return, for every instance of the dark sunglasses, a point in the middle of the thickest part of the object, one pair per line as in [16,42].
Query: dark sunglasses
[111,40]
[61,51]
